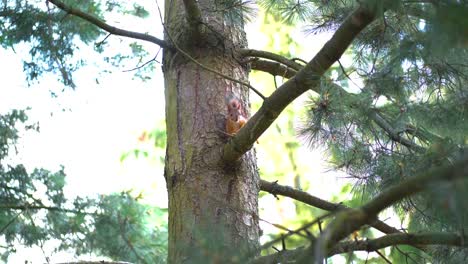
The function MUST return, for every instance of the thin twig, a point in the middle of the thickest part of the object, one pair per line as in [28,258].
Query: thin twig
[346,74]
[203,66]
[11,221]
[41,207]
[144,64]
[111,29]
[311,200]
[383,257]
[102,41]
[293,232]
[122,223]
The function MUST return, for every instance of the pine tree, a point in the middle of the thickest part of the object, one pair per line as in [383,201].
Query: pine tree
[395,119]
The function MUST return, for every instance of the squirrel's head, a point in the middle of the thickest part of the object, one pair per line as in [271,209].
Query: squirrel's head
[234,104]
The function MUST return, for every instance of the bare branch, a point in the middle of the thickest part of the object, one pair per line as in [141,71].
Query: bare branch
[111,29]
[294,232]
[279,257]
[193,15]
[306,198]
[305,79]
[217,72]
[25,207]
[154,59]
[273,68]
[96,262]
[271,56]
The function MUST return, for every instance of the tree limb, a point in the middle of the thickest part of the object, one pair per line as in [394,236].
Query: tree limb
[284,256]
[11,221]
[381,122]
[122,224]
[96,262]
[24,207]
[394,135]
[305,79]
[194,18]
[350,220]
[111,29]
[270,56]
[306,198]
[426,238]
[281,66]
[272,67]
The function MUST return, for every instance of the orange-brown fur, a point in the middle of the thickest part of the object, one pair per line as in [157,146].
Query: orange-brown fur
[235,119]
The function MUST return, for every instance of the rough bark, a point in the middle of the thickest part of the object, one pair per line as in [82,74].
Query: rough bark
[212,205]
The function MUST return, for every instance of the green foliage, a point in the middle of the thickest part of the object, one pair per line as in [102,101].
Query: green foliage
[54,36]
[23,194]
[290,11]
[152,145]
[408,254]
[129,231]
[409,66]
[51,34]
[138,11]
[449,26]
[408,69]
[236,11]
[34,210]
[9,132]
[281,42]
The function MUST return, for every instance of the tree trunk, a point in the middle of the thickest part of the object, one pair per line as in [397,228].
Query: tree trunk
[213,206]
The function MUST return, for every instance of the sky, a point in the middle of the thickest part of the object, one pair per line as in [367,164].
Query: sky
[85,130]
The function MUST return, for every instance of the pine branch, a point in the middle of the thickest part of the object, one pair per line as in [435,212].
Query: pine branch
[394,135]
[381,122]
[275,189]
[427,238]
[106,27]
[10,222]
[281,66]
[122,224]
[350,220]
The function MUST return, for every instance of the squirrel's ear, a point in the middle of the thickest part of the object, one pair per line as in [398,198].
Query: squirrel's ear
[229,97]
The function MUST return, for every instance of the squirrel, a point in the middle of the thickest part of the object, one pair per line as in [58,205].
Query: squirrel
[235,119]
